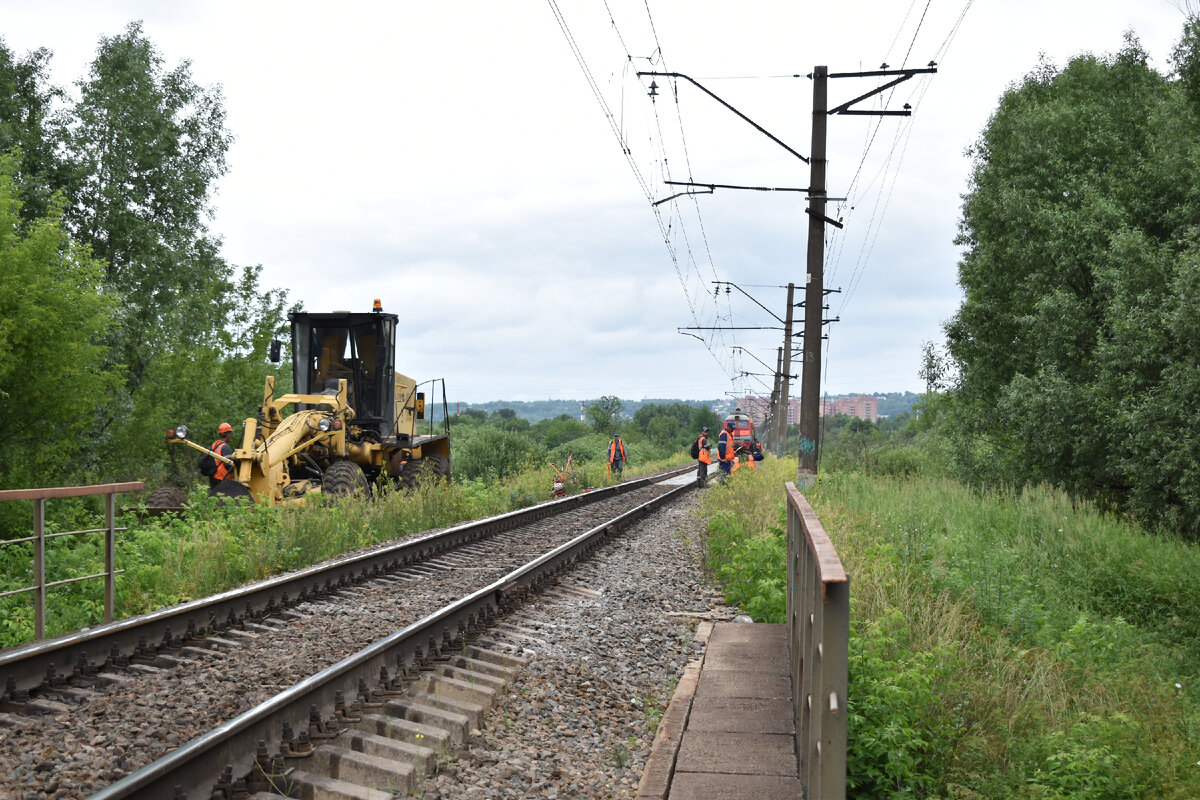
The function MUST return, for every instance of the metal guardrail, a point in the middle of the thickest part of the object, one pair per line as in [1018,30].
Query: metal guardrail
[818,619]
[40,584]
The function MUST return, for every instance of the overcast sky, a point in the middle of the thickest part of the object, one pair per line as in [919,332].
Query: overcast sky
[455,160]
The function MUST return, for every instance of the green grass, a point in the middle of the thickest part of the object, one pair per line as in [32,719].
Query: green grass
[1003,645]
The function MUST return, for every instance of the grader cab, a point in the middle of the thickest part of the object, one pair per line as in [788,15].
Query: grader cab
[353,418]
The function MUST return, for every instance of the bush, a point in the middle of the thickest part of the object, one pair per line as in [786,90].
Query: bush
[892,702]
[750,568]
[487,453]
[589,449]
[1098,758]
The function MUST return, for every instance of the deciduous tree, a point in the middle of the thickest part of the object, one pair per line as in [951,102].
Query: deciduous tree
[52,320]
[30,125]
[146,145]
[1081,246]
[604,413]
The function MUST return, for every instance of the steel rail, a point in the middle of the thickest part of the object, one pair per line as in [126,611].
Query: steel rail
[193,769]
[26,668]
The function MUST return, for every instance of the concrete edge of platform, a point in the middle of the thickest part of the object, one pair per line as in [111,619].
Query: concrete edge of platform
[660,766]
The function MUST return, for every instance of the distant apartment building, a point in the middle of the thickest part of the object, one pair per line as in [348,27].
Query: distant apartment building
[863,406]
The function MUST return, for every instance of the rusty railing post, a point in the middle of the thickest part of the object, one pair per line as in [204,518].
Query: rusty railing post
[39,568]
[110,548]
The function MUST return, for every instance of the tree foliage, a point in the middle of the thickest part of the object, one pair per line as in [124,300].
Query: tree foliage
[560,430]
[676,424]
[507,420]
[132,161]
[28,125]
[491,453]
[605,413]
[1076,345]
[52,320]
[147,145]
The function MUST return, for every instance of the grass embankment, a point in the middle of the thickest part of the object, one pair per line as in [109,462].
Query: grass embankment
[216,547]
[1002,645]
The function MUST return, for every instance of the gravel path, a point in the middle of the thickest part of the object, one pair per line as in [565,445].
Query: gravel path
[579,721]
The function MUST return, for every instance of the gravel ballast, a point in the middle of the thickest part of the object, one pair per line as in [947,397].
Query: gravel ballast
[579,721]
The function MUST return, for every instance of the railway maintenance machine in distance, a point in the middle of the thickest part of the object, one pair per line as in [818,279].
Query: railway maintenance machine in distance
[353,417]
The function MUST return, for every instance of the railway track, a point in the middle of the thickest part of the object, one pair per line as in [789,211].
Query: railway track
[384,635]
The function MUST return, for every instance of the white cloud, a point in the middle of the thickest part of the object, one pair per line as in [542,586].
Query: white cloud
[451,159]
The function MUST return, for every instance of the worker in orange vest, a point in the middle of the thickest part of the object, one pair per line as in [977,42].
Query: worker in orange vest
[726,455]
[221,447]
[616,454]
[755,454]
[703,459]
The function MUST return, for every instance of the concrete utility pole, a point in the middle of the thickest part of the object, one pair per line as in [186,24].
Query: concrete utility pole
[814,290]
[776,407]
[785,379]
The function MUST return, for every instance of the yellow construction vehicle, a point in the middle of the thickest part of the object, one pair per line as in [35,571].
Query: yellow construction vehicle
[354,418]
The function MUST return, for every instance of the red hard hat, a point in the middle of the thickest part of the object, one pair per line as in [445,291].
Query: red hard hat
[224,427]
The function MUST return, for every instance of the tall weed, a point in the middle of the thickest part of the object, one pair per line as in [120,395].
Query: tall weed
[746,537]
[1003,644]
[1054,636]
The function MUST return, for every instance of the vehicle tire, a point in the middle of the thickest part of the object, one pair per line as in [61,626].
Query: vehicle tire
[345,478]
[228,490]
[411,475]
[439,467]
[166,497]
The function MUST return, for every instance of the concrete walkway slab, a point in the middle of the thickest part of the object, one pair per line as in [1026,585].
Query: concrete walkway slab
[729,730]
[740,715]
[737,753]
[745,683]
[700,786]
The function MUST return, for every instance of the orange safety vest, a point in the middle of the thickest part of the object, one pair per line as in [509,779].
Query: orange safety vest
[702,444]
[223,469]
[615,446]
[725,446]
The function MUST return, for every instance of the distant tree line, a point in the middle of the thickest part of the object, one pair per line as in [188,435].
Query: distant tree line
[118,315]
[538,410]
[499,443]
[890,404]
